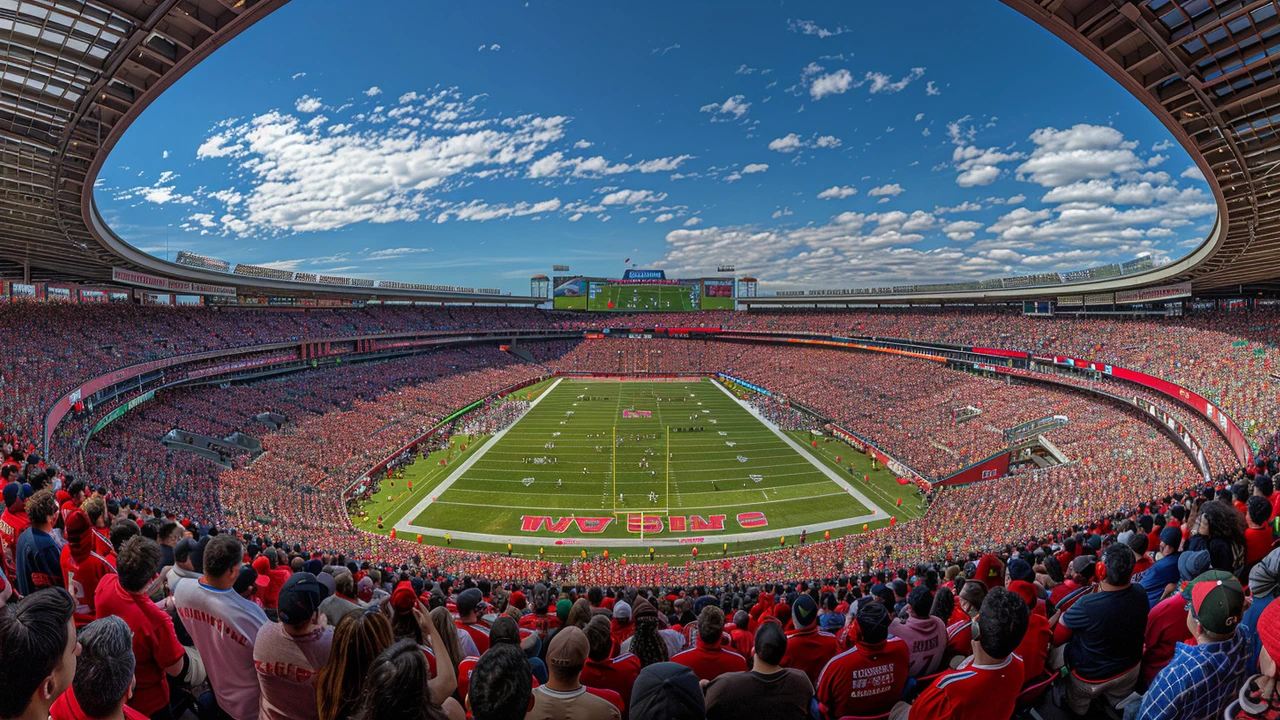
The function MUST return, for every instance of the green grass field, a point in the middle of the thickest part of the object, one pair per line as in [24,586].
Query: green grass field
[733,465]
[644,298]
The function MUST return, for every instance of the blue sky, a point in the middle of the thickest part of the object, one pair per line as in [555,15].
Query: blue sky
[811,144]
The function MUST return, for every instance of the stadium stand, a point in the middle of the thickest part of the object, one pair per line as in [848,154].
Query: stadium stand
[1128,496]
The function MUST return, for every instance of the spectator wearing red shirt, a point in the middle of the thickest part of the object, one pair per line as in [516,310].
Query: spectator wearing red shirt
[710,659]
[601,671]
[468,601]
[1034,648]
[809,648]
[100,524]
[621,627]
[104,674]
[1143,562]
[503,686]
[960,634]
[739,637]
[155,644]
[1167,621]
[262,566]
[542,622]
[1080,574]
[1258,535]
[82,568]
[12,522]
[987,684]
[867,679]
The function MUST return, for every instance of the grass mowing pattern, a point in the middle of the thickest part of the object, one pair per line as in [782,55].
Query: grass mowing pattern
[706,475]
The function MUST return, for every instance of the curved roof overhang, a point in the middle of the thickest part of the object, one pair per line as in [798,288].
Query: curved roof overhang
[1209,70]
[78,72]
[74,74]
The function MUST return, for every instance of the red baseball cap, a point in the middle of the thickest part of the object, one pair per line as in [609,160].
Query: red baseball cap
[403,598]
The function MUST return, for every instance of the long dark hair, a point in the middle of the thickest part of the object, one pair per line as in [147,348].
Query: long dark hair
[359,638]
[646,643]
[944,604]
[396,686]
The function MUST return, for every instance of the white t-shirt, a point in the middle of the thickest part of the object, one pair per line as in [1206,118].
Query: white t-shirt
[223,626]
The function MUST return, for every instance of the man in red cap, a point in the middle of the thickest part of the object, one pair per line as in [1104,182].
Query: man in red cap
[82,568]
[710,659]
[868,678]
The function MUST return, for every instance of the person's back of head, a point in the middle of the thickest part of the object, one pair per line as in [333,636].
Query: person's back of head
[501,684]
[599,638]
[770,643]
[104,672]
[121,531]
[396,686]
[1138,543]
[359,638]
[873,621]
[37,650]
[667,691]
[1002,622]
[711,625]
[920,601]
[1259,510]
[137,563]
[1118,560]
[345,585]
[505,630]
[224,554]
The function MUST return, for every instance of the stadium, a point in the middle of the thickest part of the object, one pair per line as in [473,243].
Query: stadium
[856,480]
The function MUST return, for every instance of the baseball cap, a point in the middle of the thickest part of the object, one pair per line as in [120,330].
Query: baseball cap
[1019,569]
[873,622]
[300,598]
[469,599]
[1192,564]
[622,611]
[804,612]
[644,609]
[1218,602]
[247,578]
[568,648]
[403,597]
[1269,629]
[1205,576]
[262,566]
[185,548]
[1171,536]
[76,524]
[13,492]
[1024,590]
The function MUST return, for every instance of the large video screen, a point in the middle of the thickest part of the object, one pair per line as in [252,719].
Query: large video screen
[642,291]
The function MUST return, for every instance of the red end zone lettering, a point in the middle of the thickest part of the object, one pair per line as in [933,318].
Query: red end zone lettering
[534,523]
[697,523]
[754,519]
[651,524]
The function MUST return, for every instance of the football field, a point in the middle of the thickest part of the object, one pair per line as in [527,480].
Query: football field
[596,462]
[645,298]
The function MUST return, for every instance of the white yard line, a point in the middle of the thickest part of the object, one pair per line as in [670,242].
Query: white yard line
[877,514]
[466,465]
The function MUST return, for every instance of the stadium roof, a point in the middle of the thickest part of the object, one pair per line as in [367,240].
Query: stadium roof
[76,74]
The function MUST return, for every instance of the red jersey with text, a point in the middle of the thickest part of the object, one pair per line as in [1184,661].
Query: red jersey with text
[865,680]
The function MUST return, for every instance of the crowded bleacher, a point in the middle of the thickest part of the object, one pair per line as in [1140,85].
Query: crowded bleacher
[137,580]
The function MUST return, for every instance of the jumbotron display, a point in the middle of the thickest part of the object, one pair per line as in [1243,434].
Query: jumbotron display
[642,291]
